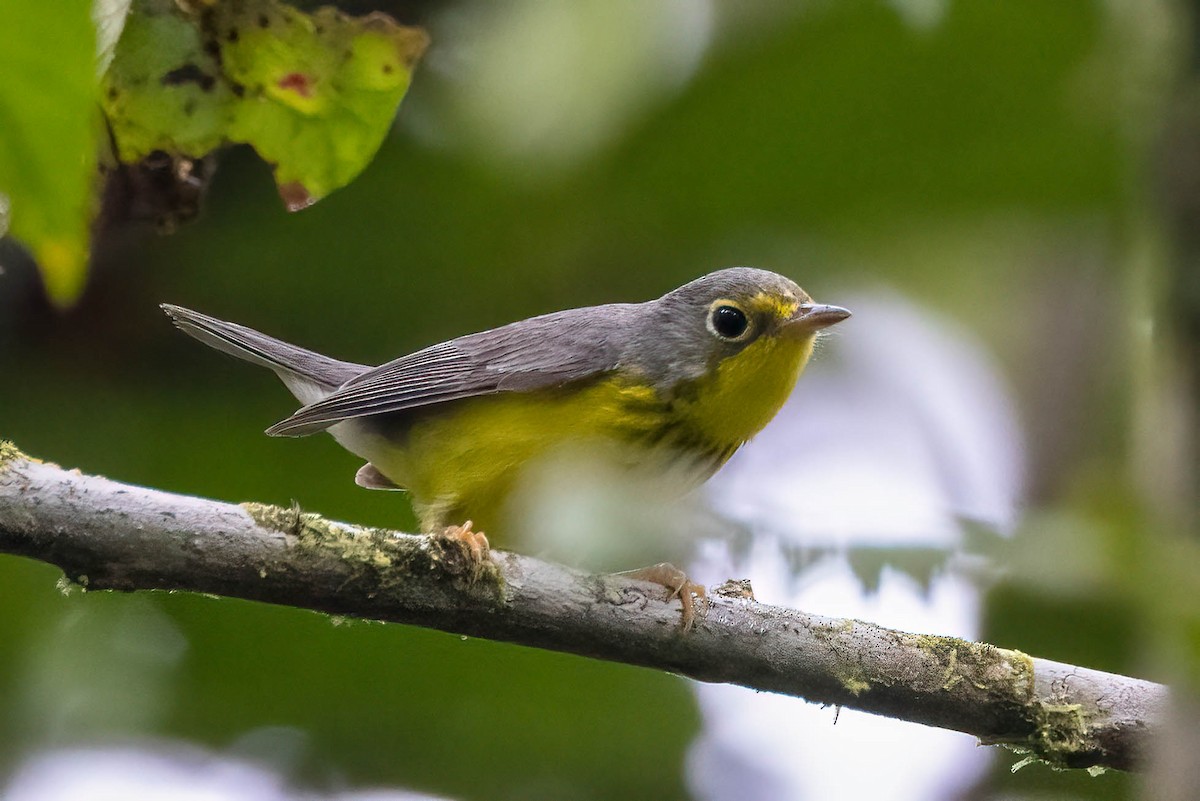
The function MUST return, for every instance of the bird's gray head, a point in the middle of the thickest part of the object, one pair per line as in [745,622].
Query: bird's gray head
[691,329]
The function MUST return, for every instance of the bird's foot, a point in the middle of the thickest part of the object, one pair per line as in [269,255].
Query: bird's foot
[471,545]
[679,585]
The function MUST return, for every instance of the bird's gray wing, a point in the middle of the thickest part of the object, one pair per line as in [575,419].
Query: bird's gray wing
[537,353]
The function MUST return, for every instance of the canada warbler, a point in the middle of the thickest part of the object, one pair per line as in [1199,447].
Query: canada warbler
[682,381]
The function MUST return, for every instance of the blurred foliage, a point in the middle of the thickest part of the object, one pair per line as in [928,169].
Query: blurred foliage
[48,158]
[985,160]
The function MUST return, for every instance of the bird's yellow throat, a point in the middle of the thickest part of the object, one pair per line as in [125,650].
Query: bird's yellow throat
[741,396]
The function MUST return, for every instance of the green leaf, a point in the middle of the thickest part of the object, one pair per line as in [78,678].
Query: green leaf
[163,91]
[47,116]
[314,94]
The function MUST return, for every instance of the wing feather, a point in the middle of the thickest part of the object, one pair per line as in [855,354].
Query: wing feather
[538,353]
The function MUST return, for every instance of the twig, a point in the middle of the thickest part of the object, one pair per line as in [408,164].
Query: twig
[107,535]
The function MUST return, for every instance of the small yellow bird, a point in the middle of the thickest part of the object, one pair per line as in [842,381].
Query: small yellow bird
[683,381]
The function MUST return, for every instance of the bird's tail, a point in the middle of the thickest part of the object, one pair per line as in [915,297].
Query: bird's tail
[310,376]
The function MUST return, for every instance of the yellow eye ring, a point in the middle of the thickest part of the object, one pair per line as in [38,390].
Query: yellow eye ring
[728,321]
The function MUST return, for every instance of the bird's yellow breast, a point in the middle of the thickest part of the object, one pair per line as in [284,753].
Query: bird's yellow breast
[740,397]
[464,460]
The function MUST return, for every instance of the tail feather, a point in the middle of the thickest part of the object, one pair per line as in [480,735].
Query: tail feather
[309,375]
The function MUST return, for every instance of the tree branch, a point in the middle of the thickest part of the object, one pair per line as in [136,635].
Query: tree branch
[107,535]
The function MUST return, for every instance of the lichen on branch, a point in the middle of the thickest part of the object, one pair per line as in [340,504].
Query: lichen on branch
[130,538]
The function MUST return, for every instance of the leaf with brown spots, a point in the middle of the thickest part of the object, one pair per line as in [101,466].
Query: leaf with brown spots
[314,94]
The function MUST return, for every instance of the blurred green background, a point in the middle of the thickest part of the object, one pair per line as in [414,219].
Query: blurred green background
[1022,168]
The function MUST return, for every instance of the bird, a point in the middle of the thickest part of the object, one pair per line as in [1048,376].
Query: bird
[677,384]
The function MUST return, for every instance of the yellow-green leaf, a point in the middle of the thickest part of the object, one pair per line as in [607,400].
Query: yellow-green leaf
[314,94]
[48,124]
[163,89]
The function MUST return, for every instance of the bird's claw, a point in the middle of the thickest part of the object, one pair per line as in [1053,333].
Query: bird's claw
[473,546]
[679,586]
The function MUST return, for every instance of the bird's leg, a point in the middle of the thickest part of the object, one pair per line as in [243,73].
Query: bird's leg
[679,585]
[472,544]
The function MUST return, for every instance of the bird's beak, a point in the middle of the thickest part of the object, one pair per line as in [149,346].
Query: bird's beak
[812,317]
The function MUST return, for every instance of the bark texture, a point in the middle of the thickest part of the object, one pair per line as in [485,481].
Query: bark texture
[113,536]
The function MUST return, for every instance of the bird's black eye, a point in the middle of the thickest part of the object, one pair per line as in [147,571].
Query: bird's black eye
[728,322]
